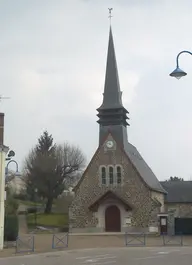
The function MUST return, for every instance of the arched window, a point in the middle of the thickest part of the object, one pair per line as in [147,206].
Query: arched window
[111,177]
[119,175]
[103,175]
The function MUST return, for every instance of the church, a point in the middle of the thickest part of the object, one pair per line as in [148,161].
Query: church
[118,191]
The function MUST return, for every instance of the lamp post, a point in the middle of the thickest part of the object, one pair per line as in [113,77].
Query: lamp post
[35,199]
[3,151]
[178,73]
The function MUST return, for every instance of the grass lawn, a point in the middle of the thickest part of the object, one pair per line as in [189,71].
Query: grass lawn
[51,220]
[29,203]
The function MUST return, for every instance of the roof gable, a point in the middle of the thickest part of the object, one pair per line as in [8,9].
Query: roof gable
[144,171]
[109,195]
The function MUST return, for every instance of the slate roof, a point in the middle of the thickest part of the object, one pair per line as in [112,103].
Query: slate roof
[112,94]
[144,170]
[178,191]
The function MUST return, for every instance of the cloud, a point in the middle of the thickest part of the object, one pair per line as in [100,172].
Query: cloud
[53,59]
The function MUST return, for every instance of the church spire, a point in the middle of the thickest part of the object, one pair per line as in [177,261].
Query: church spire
[112,115]
[112,93]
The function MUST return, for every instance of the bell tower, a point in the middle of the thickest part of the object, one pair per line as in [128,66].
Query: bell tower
[112,115]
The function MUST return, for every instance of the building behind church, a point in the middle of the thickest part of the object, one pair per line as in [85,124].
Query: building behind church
[118,191]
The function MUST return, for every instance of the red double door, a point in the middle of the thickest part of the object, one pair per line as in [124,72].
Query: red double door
[112,219]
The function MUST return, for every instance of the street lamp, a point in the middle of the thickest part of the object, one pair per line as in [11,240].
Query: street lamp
[178,73]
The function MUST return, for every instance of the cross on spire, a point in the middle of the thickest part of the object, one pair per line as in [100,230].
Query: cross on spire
[110,16]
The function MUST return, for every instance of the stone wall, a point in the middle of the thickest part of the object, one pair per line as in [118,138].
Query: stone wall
[180,209]
[160,197]
[133,191]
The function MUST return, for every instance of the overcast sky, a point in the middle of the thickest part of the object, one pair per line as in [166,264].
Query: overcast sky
[52,65]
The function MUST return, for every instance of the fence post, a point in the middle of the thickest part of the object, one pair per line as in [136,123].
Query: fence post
[33,244]
[181,239]
[125,238]
[144,239]
[163,239]
[53,241]
[67,239]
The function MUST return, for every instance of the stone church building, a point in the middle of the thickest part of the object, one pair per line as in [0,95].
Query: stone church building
[118,191]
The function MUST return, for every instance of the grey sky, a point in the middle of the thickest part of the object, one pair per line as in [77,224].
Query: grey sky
[52,61]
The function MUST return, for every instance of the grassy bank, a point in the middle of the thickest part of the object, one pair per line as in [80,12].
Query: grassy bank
[29,203]
[48,220]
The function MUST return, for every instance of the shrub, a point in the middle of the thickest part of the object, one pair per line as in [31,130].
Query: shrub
[20,196]
[32,210]
[11,228]
[11,204]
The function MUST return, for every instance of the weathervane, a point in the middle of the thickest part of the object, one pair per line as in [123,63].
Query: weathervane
[110,16]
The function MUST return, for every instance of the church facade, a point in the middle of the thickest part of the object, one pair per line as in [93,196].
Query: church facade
[118,191]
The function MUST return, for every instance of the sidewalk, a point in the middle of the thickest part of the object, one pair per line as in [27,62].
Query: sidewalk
[43,242]
[23,230]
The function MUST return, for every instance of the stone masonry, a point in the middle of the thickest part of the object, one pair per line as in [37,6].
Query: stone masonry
[133,190]
[180,209]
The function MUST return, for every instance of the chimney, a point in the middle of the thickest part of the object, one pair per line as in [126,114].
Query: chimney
[1,128]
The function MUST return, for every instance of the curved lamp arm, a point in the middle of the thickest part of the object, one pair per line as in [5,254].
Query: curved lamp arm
[177,59]
[17,167]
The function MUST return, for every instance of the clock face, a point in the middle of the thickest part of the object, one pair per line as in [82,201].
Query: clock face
[109,144]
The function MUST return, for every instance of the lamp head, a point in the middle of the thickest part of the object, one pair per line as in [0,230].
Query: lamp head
[178,73]
[17,174]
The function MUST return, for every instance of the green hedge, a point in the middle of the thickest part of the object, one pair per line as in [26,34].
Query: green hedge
[11,228]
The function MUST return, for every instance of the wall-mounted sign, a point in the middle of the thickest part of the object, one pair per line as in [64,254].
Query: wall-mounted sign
[127,220]
[163,221]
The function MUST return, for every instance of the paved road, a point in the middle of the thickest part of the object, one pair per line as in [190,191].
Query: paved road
[105,256]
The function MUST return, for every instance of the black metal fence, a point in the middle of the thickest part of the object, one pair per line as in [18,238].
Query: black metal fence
[172,240]
[25,244]
[142,239]
[59,241]
[135,239]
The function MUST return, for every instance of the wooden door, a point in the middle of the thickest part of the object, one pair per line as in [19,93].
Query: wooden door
[112,219]
[163,224]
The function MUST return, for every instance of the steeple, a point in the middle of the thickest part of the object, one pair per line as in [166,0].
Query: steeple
[112,93]
[112,115]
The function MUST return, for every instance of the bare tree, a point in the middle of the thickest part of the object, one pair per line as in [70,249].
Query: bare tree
[48,167]
[71,161]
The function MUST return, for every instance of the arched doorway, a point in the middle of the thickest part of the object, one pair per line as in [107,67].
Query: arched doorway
[112,219]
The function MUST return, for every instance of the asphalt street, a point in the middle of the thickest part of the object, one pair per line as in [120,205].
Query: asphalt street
[104,256]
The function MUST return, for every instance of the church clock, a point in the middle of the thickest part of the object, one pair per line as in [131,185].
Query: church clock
[109,144]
